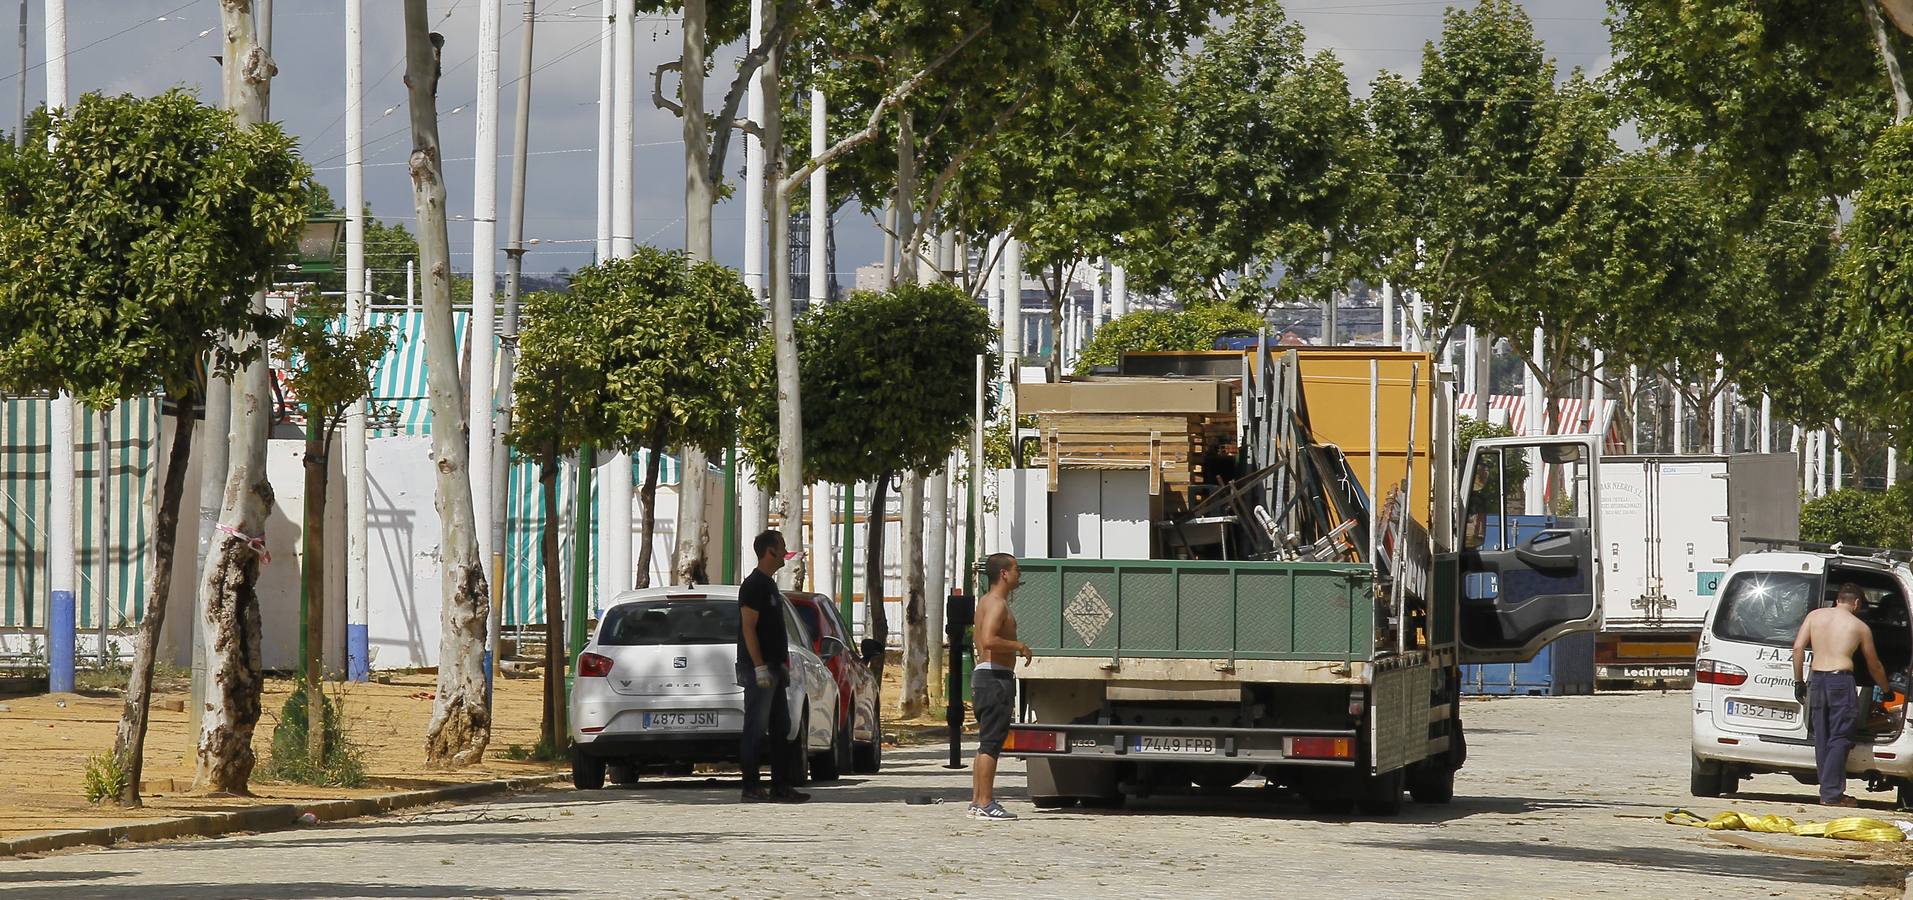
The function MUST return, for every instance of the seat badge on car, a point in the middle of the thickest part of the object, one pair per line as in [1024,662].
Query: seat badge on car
[680,662]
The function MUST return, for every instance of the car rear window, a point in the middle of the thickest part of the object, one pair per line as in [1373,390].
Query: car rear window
[1765,607]
[669,621]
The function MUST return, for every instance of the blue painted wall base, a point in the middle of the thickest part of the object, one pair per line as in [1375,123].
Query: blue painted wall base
[357,666]
[60,637]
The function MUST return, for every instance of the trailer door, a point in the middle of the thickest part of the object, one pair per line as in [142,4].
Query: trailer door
[1530,558]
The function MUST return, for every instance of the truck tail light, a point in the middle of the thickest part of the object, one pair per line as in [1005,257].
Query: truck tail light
[1032,741]
[1713,671]
[1321,748]
[591,665]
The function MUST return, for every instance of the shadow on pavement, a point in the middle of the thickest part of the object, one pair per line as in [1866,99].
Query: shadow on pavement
[299,890]
[7,877]
[1724,863]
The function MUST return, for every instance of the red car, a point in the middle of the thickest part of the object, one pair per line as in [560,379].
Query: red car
[856,684]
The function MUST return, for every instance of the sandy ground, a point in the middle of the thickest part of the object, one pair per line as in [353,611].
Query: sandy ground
[45,741]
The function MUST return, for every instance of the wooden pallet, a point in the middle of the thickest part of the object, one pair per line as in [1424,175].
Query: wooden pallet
[1169,447]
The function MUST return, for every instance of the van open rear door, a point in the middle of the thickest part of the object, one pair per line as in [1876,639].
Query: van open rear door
[1530,566]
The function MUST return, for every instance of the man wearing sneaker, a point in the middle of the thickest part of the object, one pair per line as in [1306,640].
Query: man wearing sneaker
[993,691]
[763,668]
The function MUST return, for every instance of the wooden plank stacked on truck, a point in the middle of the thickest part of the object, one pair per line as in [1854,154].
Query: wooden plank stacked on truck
[1164,426]
[1170,447]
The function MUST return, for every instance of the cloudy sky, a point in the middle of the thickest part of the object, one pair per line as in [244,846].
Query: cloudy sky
[146,46]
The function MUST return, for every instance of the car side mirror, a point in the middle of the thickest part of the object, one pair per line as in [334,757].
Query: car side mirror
[830,646]
[872,651]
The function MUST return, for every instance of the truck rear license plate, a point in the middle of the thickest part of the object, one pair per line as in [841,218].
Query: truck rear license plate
[1763,711]
[673,721]
[1173,744]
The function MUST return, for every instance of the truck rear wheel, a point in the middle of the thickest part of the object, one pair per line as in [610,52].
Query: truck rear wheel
[1432,781]
[1381,795]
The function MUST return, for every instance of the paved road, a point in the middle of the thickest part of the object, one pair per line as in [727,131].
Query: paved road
[1561,798]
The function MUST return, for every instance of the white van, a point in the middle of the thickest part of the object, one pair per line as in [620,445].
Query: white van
[1746,721]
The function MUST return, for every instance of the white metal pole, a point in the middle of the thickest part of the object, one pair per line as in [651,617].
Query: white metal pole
[484,271]
[1839,458]
[1388,314]
[1634,408]
[1468,357]
[614,540]
[1374,461]
[411,283]
[754,168]
[1101,295]
[819,203]
[607,64]
[975,498]
[1721,424]
[1118,292]
[1597,416]
[1537,419]
[1012,306]
[63,570]
[993,280]
[1416,339]
[1766,423]
[1680,418]
[823,562]
[1892,466]
[358,284]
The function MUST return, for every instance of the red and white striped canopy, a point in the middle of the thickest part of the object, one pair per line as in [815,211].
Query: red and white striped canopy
[1511,410]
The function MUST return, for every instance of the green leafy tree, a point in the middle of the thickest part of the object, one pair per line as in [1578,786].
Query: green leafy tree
[1488,150]
[673,330]
[889,375]
[1150,330]
[330,368]
[1875,376]
[558,395]
[1264,171]
[133,233]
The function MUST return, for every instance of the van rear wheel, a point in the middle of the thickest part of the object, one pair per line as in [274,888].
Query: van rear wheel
[1706,777]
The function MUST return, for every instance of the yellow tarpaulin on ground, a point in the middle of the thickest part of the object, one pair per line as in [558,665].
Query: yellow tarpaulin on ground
[1851,828]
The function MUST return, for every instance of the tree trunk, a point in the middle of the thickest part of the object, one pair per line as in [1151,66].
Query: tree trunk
[690,565]
[314,575]
[642,578]
[876,621]
[916,636]
[229,599]
[1057,290]
[553,730]
[1902,102]
[790,403]
[129,743]
[461,723]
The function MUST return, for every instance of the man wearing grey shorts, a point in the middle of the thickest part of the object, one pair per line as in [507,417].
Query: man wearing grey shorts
[993,690]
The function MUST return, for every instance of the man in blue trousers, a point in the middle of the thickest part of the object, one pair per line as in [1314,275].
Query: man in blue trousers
[1836,635]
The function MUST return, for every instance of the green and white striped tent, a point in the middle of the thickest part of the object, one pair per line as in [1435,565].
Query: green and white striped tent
[119,589]
[398,399]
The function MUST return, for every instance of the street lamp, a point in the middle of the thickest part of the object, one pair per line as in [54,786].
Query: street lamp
[320,240]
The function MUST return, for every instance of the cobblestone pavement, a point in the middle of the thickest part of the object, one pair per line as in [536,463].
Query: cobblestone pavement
[1560,798]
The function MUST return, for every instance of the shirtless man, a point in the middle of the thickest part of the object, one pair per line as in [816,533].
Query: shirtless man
[1834,633]
[993,690]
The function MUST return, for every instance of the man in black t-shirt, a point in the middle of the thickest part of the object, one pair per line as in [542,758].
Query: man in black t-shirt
[763,668]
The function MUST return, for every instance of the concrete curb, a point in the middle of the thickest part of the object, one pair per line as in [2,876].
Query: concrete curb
[270,817]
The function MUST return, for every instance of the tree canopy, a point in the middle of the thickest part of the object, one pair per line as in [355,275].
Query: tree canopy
[1144,330]
[122,268]
[887,381]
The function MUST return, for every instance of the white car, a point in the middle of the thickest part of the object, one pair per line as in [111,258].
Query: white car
[657,689]
[1746,721]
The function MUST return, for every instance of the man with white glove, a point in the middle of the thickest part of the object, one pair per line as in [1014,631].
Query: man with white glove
[763,669]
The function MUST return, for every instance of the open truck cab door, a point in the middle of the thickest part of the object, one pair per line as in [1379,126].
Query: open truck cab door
[1530,545]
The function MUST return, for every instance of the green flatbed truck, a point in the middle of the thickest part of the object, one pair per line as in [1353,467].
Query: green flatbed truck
[1154,675]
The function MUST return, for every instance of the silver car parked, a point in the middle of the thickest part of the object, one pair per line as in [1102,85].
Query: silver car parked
[657,688]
